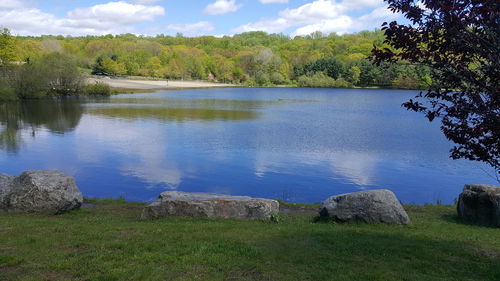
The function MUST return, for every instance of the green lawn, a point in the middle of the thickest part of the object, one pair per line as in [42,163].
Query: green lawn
[109,242]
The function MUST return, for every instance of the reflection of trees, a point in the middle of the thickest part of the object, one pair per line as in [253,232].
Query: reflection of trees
[206,103]
[57,116]
[182,109]
[172,114]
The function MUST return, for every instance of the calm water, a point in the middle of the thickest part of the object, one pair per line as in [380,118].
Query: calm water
[299,145]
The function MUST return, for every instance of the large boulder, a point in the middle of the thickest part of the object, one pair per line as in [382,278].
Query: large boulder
[39,191]
[371,206]
[182,204]
[480,204]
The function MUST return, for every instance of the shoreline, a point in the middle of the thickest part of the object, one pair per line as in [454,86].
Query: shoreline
[155,85]
[133,85]
[143,84]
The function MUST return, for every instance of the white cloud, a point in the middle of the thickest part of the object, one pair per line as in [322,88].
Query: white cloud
[122,15]
[193,28]
[144,2]
[375,18]
[117,12]
[11,4]
[272,1]
[270,26]
[36,22]
[326,16]
[220,7]
[338,25]
[312,12]
[379,13]
[112,17]
[361,4]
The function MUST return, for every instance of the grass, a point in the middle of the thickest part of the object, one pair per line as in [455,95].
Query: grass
[109,242]
[300,206]
[117,91]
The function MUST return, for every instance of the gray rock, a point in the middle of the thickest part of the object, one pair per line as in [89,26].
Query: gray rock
[5,188]
[182,204]
[43,191]
[480,204]
[371,206]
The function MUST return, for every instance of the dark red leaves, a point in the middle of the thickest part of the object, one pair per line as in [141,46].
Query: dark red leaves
[460,40]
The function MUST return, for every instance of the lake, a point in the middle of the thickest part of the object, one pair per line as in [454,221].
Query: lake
[299,145]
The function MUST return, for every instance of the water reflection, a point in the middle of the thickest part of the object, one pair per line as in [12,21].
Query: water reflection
[143,149]
[171,114]
[213,103]
[184,109]
[58,117]
[349,167]
[295,144]
[359,168]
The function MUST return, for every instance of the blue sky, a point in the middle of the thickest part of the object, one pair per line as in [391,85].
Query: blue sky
[191,17]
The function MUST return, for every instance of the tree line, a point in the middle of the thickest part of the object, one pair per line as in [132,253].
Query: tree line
[251,58]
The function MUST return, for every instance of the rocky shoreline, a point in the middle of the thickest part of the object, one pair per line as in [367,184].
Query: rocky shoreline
[52,192]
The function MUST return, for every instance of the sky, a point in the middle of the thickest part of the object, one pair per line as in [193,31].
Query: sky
[191,17]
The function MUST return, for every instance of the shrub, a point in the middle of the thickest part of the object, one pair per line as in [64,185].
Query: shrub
[7,93]
[276,218]
[341,83]
[262,78]
[332,67]
[318,80]
[30,83]
[321,80]
[405,82]
[61,73]
[51,74]
[277,78]
[250,82]
[97,89]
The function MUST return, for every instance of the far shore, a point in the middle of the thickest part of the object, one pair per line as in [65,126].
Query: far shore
[149,85]
[140,84]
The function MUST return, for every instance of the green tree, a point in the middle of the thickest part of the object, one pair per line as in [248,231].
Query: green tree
[262,78]
[113,67]
[352,75]
[243,56]
[223,68]
[332,67]
[53,73]
[7,47]
[154,67]
[60,73]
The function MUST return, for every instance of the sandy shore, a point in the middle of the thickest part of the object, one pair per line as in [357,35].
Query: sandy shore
[155,84]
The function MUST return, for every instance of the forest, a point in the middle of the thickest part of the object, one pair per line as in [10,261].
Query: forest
[250,59]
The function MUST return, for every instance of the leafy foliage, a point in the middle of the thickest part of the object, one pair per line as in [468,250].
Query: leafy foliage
[50,74]
[321,80]
[97,89]
[332,67]
[6,90]
[7,46]
[460,41]
[252,58]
